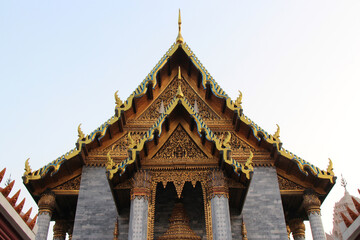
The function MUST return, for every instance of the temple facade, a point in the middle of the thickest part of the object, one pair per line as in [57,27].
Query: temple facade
[179,160]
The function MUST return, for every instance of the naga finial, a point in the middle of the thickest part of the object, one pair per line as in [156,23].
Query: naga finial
[179,93]
[110,163]
[277,133]
[179,38]
[330,167]
[226,142]
[249,161]
[81,135]
[118,101]
[238,101]
[27,167]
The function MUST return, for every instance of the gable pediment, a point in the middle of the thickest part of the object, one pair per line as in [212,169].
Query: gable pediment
[204,110]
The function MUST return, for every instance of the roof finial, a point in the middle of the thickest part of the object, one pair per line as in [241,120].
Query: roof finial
[343,182]
[179,93]
[179,38]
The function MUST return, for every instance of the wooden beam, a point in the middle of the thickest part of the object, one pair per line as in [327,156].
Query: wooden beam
[98,140]
[203,137]
[192,124]
[237,125]
[199,79]
[120,124]
[213,147]
[123,118]
[158,79]
[167,124]
[134,105]
[149,91]
[169,68]
[146,150]
[110,134]
[208,91]
[189,68]
[249,132]
[223,106]
[156,137]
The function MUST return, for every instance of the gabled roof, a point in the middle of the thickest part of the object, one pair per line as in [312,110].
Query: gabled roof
[207,82]
[202,129]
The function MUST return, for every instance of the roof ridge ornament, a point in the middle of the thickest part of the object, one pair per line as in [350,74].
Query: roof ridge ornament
[81,134]
[179,38]
[27,167]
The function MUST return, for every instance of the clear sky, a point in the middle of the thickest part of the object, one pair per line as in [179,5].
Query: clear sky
[297,64]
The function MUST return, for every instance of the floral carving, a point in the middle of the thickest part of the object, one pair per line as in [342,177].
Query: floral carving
[179,146]
[72,184]
[285,184]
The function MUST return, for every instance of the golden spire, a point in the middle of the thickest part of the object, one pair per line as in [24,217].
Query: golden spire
[179,38]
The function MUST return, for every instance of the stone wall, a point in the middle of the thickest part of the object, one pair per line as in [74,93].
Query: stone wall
[193,202]
[124,223]
[95,212]
[263,211]
[236,221]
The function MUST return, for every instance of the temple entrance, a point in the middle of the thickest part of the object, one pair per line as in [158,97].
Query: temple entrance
[189,210]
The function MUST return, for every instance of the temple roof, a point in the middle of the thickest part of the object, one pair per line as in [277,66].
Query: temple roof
[208,84]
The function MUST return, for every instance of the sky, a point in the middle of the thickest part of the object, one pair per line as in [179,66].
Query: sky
[297,64]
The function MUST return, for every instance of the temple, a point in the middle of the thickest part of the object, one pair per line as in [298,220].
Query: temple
[179,160]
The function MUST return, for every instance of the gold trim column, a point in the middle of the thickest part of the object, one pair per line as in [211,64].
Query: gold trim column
[297,227]
[140,194]
[46,207]
[312,207]
[220,212]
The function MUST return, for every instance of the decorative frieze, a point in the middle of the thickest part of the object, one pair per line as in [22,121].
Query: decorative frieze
[46,203]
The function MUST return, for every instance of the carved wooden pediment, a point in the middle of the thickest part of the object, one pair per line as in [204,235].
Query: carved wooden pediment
[180,147]
[152,112]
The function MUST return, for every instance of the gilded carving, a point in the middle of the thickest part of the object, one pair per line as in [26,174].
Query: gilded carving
[285,184]
[235,142]
[46,203]
[72,184]
[218,184]
[180,177]
[180,146]
[141,183]
[153,112]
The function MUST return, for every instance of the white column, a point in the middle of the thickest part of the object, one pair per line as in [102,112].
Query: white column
[220,212]
[312,207]
[46,206]
[140,193]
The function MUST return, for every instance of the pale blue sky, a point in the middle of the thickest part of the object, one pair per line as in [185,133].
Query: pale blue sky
[297,64]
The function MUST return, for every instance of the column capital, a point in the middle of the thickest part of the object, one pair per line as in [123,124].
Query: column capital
[141,183]
[218,184]
[311,202]
[297,227]
[47,203]
[60,228]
